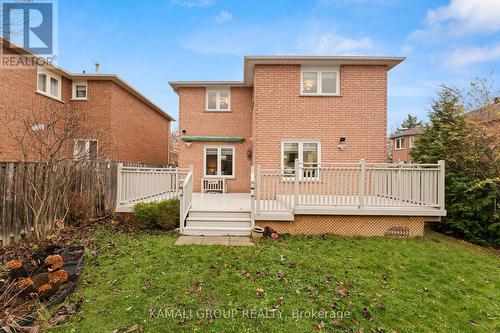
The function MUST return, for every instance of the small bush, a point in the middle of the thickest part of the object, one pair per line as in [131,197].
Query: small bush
[145,215]
[163,214]
[168,213]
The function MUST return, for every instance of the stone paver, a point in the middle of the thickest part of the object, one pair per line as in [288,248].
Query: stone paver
[214,240]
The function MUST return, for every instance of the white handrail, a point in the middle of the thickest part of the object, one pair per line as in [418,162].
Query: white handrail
[252,196]
[186,198]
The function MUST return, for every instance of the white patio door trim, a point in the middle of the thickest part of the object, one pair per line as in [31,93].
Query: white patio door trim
[219,149]
[300,147]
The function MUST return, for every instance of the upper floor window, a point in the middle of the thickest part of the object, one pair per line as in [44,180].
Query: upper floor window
[399,143]
[80,90]
[320,81]
[86,149]
[218,100]
[49,84]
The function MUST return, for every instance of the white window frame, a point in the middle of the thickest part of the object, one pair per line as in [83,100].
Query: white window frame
[87,149]
[219,149]
[401,145]
[82,83]
[319,73]
[217,99]
[48,76]
[300,143]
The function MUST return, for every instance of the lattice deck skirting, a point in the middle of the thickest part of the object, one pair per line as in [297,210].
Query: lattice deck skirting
[393,226]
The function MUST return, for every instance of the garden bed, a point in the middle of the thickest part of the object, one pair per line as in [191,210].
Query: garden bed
[47,278]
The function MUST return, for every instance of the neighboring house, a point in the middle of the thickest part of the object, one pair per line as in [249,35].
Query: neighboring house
[133,128]
[403,142]
[322,117]
[488,116]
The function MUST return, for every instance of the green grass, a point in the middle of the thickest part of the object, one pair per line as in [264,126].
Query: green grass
[416,285]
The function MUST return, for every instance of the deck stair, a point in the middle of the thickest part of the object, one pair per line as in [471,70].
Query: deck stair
[218,223]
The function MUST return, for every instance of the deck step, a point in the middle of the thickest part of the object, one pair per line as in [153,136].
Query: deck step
[213,221]
[218,214]
[217,231]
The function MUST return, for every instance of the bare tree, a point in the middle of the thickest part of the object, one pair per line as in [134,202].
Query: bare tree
[174,146]
[51,161]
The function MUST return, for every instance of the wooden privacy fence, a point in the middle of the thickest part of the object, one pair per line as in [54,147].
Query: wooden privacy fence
[357,185]
[93,190]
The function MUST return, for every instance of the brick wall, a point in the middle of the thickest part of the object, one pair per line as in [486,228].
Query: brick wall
[359,114]
[139,133]
[196,121]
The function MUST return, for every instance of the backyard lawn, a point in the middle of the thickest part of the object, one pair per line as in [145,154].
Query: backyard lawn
[293,284]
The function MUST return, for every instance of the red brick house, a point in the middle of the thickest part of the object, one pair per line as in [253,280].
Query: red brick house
[133,128]
[305,138]
[489,117]
[274,112]
[402,143]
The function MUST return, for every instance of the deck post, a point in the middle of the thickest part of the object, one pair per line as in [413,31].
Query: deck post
[257,189]
[296,185]
[441,185]
[362,173]
[252,195]
[119,171]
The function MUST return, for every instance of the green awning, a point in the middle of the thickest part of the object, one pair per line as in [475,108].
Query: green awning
[213,138]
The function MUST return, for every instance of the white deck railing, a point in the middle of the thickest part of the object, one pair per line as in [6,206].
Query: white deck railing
[186,199]
[356,185]
[139,184]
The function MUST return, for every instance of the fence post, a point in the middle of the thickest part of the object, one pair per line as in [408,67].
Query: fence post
[362,174]
[119,184]
[296,184]
[441,185]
